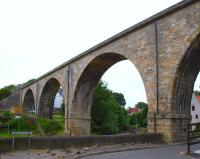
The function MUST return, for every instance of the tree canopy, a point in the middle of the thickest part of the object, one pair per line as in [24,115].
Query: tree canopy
[108,116]
[6,91]
[141,105]
[119,97]
[197,93]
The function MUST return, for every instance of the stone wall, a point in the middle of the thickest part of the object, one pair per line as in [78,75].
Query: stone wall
[67,142]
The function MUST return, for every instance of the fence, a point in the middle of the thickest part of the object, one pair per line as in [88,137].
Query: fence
[192,135]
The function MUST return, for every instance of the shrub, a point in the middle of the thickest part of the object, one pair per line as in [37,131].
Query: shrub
[50,127]
[7,114]
[6,117]
[24,123]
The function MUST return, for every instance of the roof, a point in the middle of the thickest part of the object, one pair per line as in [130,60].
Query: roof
[133,110]
[198,98]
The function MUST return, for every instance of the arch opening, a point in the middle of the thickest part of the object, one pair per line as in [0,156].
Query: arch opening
[123,77]
[89,79]
[86,85]
[195,102]
[47,99]
[186,76]
[29,102]
[185,79]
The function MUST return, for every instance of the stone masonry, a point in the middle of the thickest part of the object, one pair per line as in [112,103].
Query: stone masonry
[165,49]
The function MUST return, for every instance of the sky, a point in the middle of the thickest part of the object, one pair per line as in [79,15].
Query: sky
[37,36]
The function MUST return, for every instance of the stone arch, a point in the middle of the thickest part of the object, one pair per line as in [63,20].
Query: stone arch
[85,86]
[46,102]
[29,101]
[186,75]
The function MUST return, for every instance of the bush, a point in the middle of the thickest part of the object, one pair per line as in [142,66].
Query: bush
[6,117]
[24,123]
[7,114]
[50,127]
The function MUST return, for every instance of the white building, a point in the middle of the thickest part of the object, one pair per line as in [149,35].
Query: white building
[58,99]
[195,109]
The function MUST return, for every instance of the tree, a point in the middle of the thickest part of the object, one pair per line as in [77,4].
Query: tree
[62,109]
[140,119]
[122,112]
[123,120]
[119,97]
[141,105]
[108,113]
[6,91]
[104,111]
[197,93]
[137,119]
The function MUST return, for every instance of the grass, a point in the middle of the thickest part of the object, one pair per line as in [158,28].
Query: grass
[56,117]
[60,118]
[5,135]
[9,135]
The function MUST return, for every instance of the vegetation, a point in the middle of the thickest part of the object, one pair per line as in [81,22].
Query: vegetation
[62,109]
[140,119]
[108,116]
[49,126]
[29,122]
[29,81]
[23,123]
[197,93]
[119,97]
[6,91]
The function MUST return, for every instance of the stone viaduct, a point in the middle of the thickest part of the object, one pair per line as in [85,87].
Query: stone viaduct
[164,48]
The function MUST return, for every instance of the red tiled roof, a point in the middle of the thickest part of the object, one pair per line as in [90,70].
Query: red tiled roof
[198,98]
[133,110]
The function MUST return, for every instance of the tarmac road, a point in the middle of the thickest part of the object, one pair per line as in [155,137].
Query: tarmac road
[170,152]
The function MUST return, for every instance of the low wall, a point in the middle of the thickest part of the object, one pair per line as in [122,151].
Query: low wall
[21,143]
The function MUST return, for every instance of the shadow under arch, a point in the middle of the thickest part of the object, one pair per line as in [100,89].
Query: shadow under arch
[82,99]
[186,75]
[46,103]
[29,101]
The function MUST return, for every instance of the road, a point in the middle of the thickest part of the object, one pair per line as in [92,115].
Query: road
[170,152]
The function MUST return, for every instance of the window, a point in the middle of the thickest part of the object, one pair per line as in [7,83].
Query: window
[196,116]
[193,108]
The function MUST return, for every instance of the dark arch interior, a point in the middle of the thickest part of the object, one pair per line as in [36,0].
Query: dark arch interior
[185,78]
[88,81]
[29,102]
[183,88]
[47,98]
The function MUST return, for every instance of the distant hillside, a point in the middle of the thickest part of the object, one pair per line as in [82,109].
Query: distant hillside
[10,95]
[12,100]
